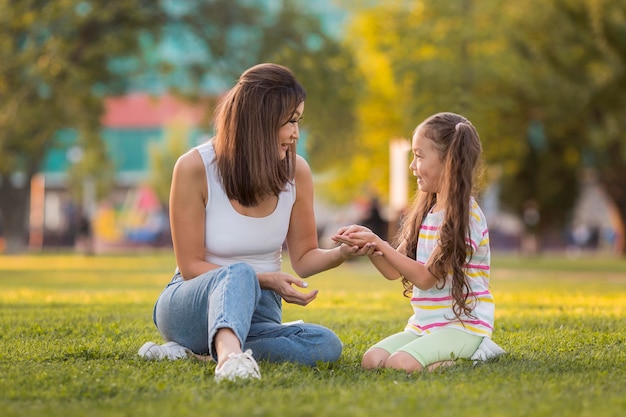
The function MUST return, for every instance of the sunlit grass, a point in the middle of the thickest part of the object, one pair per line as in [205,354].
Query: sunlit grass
[70,327]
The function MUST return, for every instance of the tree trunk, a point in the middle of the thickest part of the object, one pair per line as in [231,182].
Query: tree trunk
[14,209]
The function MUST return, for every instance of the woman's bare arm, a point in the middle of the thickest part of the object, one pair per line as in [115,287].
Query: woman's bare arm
[188,198]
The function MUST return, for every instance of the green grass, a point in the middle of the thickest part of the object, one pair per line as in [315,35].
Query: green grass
[70,327]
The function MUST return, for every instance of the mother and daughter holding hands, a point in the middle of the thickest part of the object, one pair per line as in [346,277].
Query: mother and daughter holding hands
[236,199]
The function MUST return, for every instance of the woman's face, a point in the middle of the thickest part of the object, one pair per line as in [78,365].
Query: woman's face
[290,131]
[426,165]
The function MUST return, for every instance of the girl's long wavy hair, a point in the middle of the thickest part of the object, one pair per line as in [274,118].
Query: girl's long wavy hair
[459,148]
[247,121]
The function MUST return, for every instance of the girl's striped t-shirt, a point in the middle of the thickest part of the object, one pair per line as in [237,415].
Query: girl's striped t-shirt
[433,307]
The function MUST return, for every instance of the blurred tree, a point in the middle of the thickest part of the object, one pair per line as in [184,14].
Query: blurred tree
[58,59]
[163,156]
[543,173]
[542,82]
[574,52]
[53,68]
[380,105]
[292,34]
[459,61]
[420,58]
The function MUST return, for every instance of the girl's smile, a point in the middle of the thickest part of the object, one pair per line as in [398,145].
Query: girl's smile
[427,165]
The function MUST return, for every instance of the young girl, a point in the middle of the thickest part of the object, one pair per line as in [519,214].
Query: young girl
[442,257]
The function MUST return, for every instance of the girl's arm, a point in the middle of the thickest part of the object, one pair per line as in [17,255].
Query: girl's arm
[306,257]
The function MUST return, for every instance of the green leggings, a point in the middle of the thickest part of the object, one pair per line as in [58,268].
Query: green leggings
[442,345]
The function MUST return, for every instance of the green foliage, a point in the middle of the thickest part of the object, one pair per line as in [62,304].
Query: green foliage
[53,69]
[328,72]
[510,67]
[163,157]
[560,48]
[70,327]
[584,59]
[330,78]
[52,55]
[239,34]
[58,59]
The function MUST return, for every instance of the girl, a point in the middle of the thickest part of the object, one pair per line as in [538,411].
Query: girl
[442,258]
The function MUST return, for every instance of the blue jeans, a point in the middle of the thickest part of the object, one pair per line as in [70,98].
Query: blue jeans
[190,312]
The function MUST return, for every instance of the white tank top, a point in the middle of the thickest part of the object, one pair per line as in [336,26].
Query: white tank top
[232,237]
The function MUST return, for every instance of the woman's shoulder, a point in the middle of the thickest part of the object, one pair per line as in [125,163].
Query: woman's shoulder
[302,168]
[302,163]
[190,164]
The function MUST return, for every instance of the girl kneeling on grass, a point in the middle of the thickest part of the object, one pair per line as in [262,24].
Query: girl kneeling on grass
[443,255]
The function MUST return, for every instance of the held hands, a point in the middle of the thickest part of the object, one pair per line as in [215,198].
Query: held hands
[357,240]
[354,240]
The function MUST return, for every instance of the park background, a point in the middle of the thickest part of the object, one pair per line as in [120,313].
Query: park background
[99,99]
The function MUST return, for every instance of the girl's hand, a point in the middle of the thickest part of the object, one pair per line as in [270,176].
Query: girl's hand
[355,235]
[349,249]
[359,239]
[343,234]
[346,230]
[282,283]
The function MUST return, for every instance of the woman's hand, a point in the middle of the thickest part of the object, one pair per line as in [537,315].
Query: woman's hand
[282,283]
[360,239]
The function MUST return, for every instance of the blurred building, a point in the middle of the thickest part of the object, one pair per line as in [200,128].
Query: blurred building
[129,126]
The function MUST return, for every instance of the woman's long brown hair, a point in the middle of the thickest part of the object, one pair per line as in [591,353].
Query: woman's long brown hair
[459,148]
[247,121]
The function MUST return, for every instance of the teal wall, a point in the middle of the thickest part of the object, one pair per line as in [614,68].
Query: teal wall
[127,148]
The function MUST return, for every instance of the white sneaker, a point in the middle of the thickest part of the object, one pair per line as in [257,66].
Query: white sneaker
[486,350]
[169,350]
[238,365]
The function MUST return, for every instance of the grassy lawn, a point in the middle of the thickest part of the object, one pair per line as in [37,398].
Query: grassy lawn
[70,328]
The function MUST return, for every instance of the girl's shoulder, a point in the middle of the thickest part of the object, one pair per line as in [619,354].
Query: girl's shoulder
[476,212]
[478,222]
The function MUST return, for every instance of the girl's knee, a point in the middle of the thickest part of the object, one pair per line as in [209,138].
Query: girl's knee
[444,364]
[374,358]
[404,362]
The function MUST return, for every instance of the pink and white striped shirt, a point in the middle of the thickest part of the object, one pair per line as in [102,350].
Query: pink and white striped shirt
[433,307]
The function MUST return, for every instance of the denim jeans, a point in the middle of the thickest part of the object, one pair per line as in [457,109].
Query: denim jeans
[190,312]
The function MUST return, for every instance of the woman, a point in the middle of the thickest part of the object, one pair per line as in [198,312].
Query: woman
[234,201]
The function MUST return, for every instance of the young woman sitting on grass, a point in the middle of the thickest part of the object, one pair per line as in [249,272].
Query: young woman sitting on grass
[234,201]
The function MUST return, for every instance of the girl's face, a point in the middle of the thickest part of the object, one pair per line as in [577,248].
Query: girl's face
[290,131]
[426,165]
